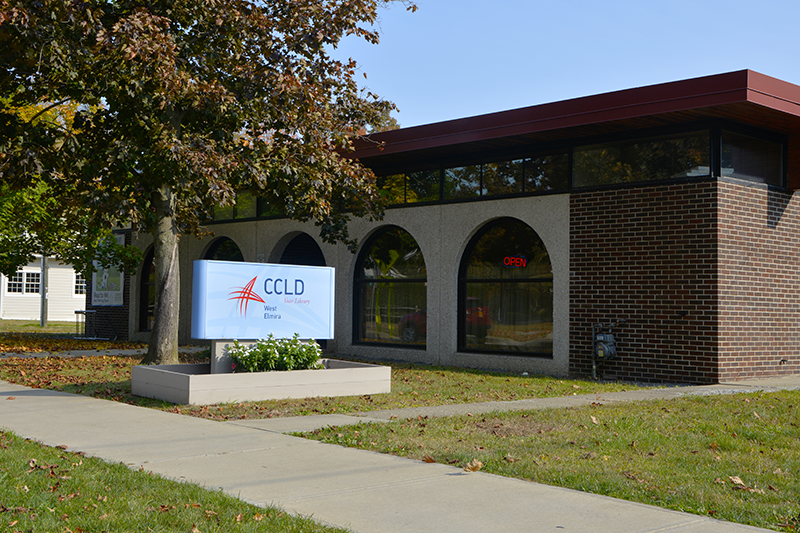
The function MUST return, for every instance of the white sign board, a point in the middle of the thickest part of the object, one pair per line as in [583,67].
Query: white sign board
[233,300]
[108,283]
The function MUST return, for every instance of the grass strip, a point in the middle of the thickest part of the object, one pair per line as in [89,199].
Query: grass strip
[108,377]
[23,343]
[731,457]
[49,489]
[35,327]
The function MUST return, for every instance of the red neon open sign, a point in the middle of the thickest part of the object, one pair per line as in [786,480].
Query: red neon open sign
[516,261]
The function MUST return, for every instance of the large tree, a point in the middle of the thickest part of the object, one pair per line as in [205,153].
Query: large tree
[182,104]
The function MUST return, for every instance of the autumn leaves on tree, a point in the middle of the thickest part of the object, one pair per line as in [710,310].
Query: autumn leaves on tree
[182,104]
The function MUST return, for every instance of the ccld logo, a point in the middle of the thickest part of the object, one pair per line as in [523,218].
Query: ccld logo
[245,295]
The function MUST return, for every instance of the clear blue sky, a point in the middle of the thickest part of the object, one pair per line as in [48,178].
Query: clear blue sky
[459,58]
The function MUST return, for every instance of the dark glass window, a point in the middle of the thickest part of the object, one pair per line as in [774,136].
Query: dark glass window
[303,250]
[246,205]
[642,160]
[224,249]
[265,209]
[547,173]
[392,188]
[223,213]
[751,158]
[503,177]
[462,182]
[506,292]
[422,186]
[391,290]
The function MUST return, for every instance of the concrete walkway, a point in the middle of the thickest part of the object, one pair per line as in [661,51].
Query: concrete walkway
[361,490]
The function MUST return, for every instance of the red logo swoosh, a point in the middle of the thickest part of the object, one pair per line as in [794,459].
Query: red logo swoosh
[245,295]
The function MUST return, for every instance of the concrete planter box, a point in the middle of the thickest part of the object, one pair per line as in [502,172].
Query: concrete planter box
[196,385]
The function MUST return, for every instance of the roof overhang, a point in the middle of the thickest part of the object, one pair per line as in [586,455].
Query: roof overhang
[745,96]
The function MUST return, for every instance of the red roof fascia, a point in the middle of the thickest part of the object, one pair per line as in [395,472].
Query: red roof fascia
[705,92]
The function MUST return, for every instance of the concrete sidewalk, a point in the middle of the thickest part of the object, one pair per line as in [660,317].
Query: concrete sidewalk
[361,490]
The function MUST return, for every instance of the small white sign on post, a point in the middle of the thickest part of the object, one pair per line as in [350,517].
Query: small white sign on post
[234,300]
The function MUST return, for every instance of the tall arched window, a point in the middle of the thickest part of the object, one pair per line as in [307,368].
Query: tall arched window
[224,249]
[505,295]
[147,292]
[391,290]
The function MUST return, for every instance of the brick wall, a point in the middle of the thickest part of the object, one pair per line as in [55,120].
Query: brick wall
[647,255]
[110,322]
[759,282]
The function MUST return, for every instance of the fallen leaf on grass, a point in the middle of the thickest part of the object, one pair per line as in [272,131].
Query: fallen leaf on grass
[473,466]
[738,484]
[429,459]
[631,475]
[594,421]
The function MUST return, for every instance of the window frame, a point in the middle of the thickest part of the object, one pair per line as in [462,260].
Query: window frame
[359,280]
[18,281]
[79,285]
[569,148]
[464,281]
[30,275]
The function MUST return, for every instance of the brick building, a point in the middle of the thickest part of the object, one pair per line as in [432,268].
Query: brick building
[511,234]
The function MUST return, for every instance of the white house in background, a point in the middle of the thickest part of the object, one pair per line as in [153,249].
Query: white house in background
[20,296]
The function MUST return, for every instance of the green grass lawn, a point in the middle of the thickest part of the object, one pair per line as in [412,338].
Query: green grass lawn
[48,489]
[32,326]
[106,376]
[731,457]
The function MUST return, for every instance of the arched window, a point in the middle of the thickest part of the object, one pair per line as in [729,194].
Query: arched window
[147,292]
[303,250]
[391,290]
[505,294]
[224,249]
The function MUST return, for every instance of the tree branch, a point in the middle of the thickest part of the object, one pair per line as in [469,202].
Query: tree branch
[46,109]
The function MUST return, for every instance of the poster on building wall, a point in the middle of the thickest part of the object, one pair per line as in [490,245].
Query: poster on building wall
[107,283]
[234,300]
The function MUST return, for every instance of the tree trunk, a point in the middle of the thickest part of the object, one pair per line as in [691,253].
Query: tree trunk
[163,348]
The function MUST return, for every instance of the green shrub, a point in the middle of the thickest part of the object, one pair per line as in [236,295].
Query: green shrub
[275,354]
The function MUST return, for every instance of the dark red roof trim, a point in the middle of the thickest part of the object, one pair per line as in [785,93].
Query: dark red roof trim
[745,96]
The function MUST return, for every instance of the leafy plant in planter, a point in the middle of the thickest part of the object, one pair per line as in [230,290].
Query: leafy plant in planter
[275,354]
